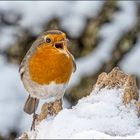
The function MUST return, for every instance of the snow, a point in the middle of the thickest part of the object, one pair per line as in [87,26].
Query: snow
[75,20]
[131,61]
[100,115]
[8,36]
[122,21]
[11,97]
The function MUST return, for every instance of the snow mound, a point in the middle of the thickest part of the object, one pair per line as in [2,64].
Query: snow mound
[100,115]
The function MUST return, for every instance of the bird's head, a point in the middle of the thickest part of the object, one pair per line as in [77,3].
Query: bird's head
[54,39]
[53,42]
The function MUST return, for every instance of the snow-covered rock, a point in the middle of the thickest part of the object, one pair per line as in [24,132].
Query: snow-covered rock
[102,114]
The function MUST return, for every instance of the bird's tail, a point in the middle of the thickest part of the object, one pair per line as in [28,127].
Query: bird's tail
[30,105]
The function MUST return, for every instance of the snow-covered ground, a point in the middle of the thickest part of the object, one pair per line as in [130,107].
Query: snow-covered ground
[72,15]
[100,115]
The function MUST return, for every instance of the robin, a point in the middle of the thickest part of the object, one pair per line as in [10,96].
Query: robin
[46,69]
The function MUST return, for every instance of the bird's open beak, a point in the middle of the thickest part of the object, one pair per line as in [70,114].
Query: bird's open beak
[59,45]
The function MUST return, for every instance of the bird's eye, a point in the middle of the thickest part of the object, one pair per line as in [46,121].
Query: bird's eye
[48,40]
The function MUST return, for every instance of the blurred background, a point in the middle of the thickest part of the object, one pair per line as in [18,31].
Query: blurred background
[102,34]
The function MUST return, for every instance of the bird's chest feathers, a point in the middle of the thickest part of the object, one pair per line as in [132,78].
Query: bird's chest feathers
[47,65]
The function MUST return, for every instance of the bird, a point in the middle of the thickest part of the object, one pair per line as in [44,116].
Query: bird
[46,69]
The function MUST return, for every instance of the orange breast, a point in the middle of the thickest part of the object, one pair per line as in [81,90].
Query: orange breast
[47,65]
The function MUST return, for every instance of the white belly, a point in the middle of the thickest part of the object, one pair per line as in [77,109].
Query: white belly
[49,92]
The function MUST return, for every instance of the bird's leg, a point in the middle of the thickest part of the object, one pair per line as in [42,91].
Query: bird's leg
[34,117]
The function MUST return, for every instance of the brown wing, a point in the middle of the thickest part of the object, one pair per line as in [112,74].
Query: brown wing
[22,69]
[32,48]
[73,62]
